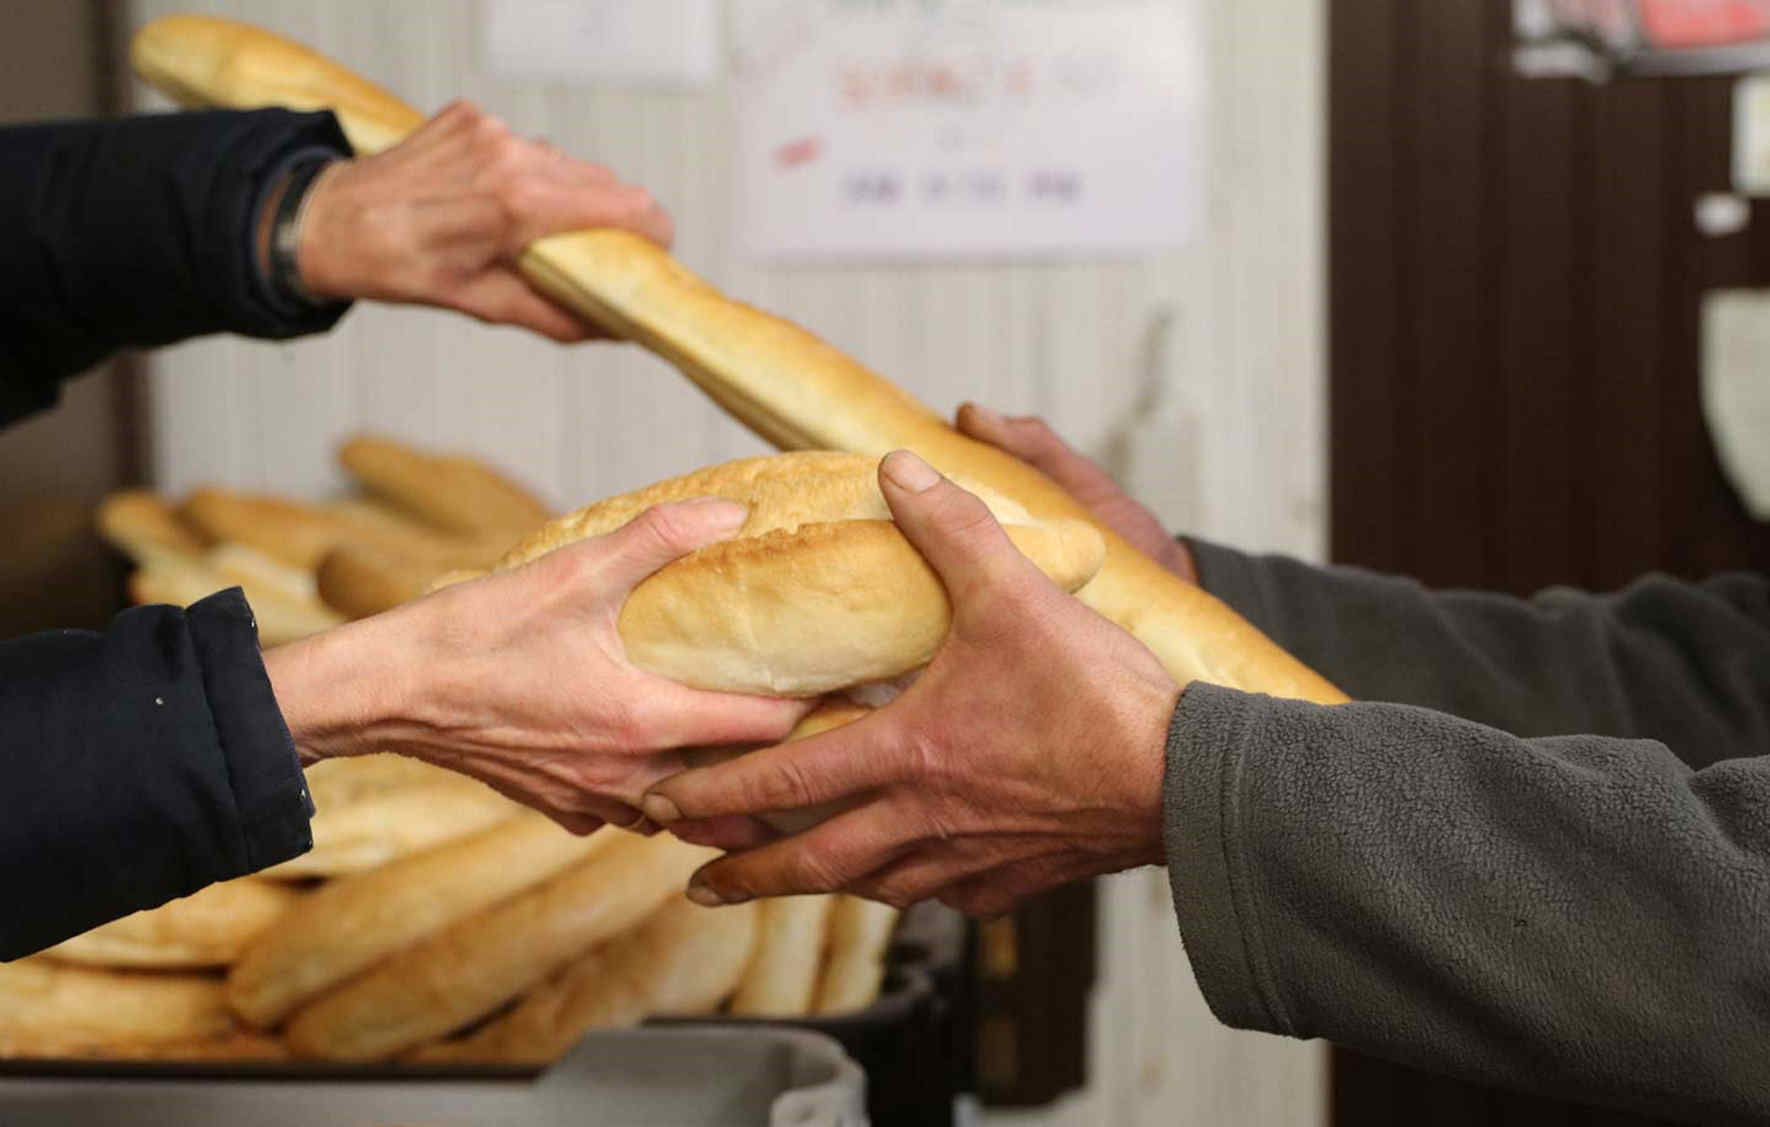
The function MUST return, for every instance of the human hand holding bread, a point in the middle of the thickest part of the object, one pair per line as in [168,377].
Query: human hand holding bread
[1027,754]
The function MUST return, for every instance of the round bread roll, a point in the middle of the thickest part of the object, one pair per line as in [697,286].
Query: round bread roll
[819,590]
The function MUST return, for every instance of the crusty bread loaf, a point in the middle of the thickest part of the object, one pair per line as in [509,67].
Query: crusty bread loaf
[141,525]
[182,581]
[683,961]
[351,924]
[206,929]
[781,980]
[387,559]
[860,936]
[818,591]
[209,61]
[49,1009]
[373,809]
[461,495]
[469,969]
[800,393]
[298,534]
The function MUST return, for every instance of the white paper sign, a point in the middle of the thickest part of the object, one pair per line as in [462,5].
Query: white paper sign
[652,42]
[945,129]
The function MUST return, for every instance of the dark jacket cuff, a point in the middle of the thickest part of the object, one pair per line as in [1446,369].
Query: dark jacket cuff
[1216,890]
[270,790]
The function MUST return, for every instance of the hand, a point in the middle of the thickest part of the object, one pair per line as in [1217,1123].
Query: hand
[1029,753]
[520,679]
[441,218]
[1033,441]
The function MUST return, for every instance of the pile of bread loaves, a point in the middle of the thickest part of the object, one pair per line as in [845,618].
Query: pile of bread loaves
[435,921]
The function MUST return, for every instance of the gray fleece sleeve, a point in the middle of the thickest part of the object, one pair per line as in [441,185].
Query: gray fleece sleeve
[1582,916]
[1686,664]
[1577,916]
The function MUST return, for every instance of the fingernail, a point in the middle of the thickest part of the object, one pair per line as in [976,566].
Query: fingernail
[699,893]
[910,473]
[660,809]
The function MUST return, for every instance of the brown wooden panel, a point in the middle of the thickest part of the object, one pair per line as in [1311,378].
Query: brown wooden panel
[1515,317]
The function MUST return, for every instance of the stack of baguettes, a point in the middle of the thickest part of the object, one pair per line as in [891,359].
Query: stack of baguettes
[434,921]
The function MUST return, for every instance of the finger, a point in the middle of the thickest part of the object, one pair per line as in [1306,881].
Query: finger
[952,528]
[1033,441]
[924,873]
[996,892]
[682,717]
[502,298]
[732,834]
[825,859]
[795,776]
[658,536]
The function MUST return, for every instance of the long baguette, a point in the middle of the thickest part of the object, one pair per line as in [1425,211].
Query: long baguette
[781,980]
[468,970]
[461,495]
[860,936]
[352,924]
[683,961]
[206,929]
[780,380]
[48,1009]
[376,808]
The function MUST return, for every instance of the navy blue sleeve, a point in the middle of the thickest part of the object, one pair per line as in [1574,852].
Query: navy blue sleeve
[137,766]
[137,232]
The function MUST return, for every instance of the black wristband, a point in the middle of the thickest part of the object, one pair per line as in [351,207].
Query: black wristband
[285,232]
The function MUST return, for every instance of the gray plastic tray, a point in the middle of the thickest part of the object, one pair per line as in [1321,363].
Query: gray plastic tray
[683,1077]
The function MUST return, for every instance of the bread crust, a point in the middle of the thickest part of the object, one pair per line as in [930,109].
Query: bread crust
[352,924]
[209,928]
[818,591]
[210,61]
[457,494]
[470,968]
[781,980]
[50,1009]
[683,961]
[860,936]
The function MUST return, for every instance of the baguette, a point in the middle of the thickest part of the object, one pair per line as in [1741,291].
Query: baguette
[781,980]
[354,923]
[469,969]
[48,1009]
[388,559]
[183,581]
[682,961]
[370,812]
[206,929]
[780,380]
[142,526]
[208,61]
[295,533]
[860,936]
[819,590]
[458,494]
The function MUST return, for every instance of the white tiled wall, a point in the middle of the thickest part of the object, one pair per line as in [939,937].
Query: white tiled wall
[1238,456]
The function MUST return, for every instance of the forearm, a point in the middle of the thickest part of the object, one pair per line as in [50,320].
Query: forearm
[1686,664]
[136,233]
[1575,916]
[139,765]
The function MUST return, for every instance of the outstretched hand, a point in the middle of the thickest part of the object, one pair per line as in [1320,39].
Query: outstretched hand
[441,218]
[1032,440]
[520,679]
[1028,754]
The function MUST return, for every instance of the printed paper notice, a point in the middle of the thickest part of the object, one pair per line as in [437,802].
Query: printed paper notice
[672,43]
[966,129]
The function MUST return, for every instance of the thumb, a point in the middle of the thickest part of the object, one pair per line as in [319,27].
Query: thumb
[953,529]
[663,535]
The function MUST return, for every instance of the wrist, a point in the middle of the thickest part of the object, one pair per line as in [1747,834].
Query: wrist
[316,266]
[343,692]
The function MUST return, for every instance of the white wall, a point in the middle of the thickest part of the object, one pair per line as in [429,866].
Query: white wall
[1242,458]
